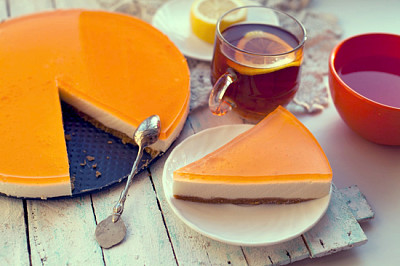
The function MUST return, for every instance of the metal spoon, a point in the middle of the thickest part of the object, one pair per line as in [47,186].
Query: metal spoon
[111,231]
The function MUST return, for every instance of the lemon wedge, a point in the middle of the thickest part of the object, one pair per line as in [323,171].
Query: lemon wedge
[204,15]
[260,42]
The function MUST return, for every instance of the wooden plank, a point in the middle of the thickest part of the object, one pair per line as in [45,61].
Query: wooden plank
[134,8]
[191,248]
[91,4]
[144,9]
[357,203]
[110,5]
[13,240]
[279,254]
[3,9]
[337,230]
[146,242]
[61,232]
[202,118]
[23,7]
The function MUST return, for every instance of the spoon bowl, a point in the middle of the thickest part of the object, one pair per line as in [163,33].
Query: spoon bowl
[148,132]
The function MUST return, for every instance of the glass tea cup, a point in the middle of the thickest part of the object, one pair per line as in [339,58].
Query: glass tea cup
[256,61]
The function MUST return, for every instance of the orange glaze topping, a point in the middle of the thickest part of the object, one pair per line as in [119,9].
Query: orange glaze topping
[277,149]
[115,62]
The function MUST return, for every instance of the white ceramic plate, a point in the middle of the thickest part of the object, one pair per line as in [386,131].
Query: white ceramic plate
[173,19]
[244,225]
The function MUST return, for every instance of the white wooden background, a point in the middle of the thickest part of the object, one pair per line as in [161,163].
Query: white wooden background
[61,232]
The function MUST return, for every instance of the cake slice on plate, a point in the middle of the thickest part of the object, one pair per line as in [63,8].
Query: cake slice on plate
[276,161]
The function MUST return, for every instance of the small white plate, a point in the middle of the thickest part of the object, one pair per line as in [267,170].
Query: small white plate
[244,225]
[173,19]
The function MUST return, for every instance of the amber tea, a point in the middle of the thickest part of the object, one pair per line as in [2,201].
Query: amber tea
[263,82]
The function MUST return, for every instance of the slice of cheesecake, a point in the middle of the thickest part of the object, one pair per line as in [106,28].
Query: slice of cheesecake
[276,161]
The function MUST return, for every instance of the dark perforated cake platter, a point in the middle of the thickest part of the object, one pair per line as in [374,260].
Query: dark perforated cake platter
[97,159]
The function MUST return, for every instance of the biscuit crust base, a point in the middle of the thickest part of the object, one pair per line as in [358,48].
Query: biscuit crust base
[245,201]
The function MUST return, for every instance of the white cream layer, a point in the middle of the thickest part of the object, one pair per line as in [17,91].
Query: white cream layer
[42,191]
[284,190]
[117,124]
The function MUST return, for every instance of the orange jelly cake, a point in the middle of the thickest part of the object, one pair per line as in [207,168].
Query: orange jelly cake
[276,161]
[114,68]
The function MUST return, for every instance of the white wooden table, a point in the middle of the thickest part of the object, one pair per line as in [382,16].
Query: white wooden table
[61,232]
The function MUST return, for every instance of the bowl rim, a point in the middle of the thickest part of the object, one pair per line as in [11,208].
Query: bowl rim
[333,71]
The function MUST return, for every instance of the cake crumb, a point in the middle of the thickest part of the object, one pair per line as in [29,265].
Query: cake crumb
[109,142]
[94,165]
[90,158]
[72,183]
[108,157]
[68,137]
[84,163]
[98,174]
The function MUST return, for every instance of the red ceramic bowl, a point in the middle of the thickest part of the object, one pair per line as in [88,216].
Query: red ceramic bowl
[372,120]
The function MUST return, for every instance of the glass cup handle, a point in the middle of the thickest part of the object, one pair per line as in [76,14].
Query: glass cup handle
[216,102]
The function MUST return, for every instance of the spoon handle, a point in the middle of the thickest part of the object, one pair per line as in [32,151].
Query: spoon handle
[119,206]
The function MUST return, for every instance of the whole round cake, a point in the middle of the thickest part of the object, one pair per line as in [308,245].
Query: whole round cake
[114,69]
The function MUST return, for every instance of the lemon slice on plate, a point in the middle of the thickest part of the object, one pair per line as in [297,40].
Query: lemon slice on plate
[260,42]
[204,15]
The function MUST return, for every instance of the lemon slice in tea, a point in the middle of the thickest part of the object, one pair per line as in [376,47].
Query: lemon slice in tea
[204,15]
[263,43]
